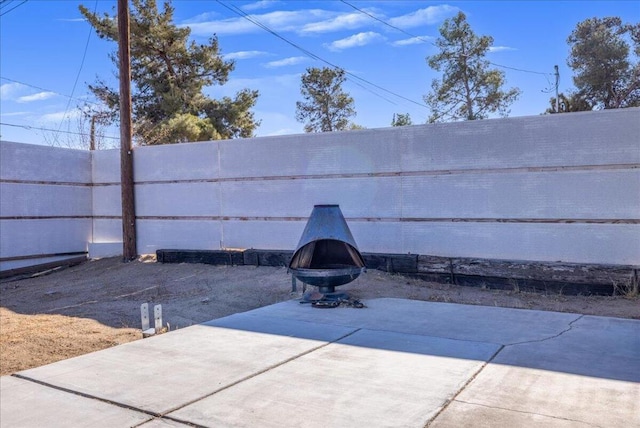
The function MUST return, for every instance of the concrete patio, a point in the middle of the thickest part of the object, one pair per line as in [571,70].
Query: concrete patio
[396,363]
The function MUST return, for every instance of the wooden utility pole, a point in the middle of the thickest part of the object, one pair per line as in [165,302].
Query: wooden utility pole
[92,133]
[129,251]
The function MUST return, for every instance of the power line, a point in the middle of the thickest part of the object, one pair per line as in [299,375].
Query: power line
[37,128]
[520,69]
[385,23]
[309,53]
[246,16]
[5,3]
[31,86]
[47,90]
[13,8]
[430,42]
[75,83]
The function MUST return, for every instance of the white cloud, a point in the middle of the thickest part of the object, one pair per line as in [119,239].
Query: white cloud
[277,123]
[281,21]
[36,97]
[245,54]
[264,84]
[286,61]
[14,113]
[203,17]
[281,131]
[427,16]
[262,4]
[360,39]
[412,41]
[347,21]
[501,49]
[225,26]
[9,91]
[59,116]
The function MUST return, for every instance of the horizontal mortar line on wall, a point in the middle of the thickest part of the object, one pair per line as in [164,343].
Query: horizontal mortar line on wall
[47,217]
[41,256]
[525,220]
[355,219]
[46,183]
[394,219]
[607,167]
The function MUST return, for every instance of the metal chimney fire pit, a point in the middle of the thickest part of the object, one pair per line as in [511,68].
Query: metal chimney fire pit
[327,255]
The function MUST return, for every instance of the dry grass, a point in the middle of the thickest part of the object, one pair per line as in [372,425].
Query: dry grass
[33,340]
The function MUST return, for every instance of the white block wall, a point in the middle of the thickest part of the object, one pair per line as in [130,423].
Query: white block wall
[545,188]
[45,204]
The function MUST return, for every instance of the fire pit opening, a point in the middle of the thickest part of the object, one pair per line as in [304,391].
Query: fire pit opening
[327,255]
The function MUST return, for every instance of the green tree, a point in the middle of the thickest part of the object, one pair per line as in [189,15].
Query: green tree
[605,74]
[168,75]
[355,127]
[401,119]
[326,106]
[469,89]
[570,103]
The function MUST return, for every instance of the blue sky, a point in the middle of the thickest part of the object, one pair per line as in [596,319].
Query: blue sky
[43,59]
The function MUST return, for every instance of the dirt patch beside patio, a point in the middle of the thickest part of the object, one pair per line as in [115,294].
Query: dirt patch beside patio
[96,305]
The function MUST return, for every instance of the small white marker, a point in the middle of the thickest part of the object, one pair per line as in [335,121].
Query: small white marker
[157,314]
[144,316]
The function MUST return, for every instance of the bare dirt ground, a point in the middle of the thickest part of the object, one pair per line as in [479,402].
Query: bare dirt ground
[96,305]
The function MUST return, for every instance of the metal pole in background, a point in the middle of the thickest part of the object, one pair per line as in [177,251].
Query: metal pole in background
[129,251]
[557,82]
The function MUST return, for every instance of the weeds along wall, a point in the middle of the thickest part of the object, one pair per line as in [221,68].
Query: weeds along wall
[45,204]
[545,188]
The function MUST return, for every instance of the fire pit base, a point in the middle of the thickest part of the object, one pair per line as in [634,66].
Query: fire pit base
[331,300]
[328,277]
[320,295]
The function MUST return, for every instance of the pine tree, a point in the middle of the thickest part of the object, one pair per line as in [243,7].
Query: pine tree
[606,75]
[469,89]
[401,119]
[327,107]
[168,75]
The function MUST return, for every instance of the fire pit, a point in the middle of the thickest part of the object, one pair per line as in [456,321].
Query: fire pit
[327,255]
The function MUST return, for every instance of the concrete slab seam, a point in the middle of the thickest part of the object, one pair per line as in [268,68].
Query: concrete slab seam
[529,413]
[89,396]
[160,418]
[164,415]
[471,379]
[251,376]
[569,328]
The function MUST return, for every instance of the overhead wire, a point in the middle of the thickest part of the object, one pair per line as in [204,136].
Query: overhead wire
[385,22]
[430,42]
[29,127]
[312,55]
[48,90]
[75,83]
[307,52]
[13,8]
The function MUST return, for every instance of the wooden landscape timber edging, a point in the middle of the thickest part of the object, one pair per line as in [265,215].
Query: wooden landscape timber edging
[41,268]
[548,277]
